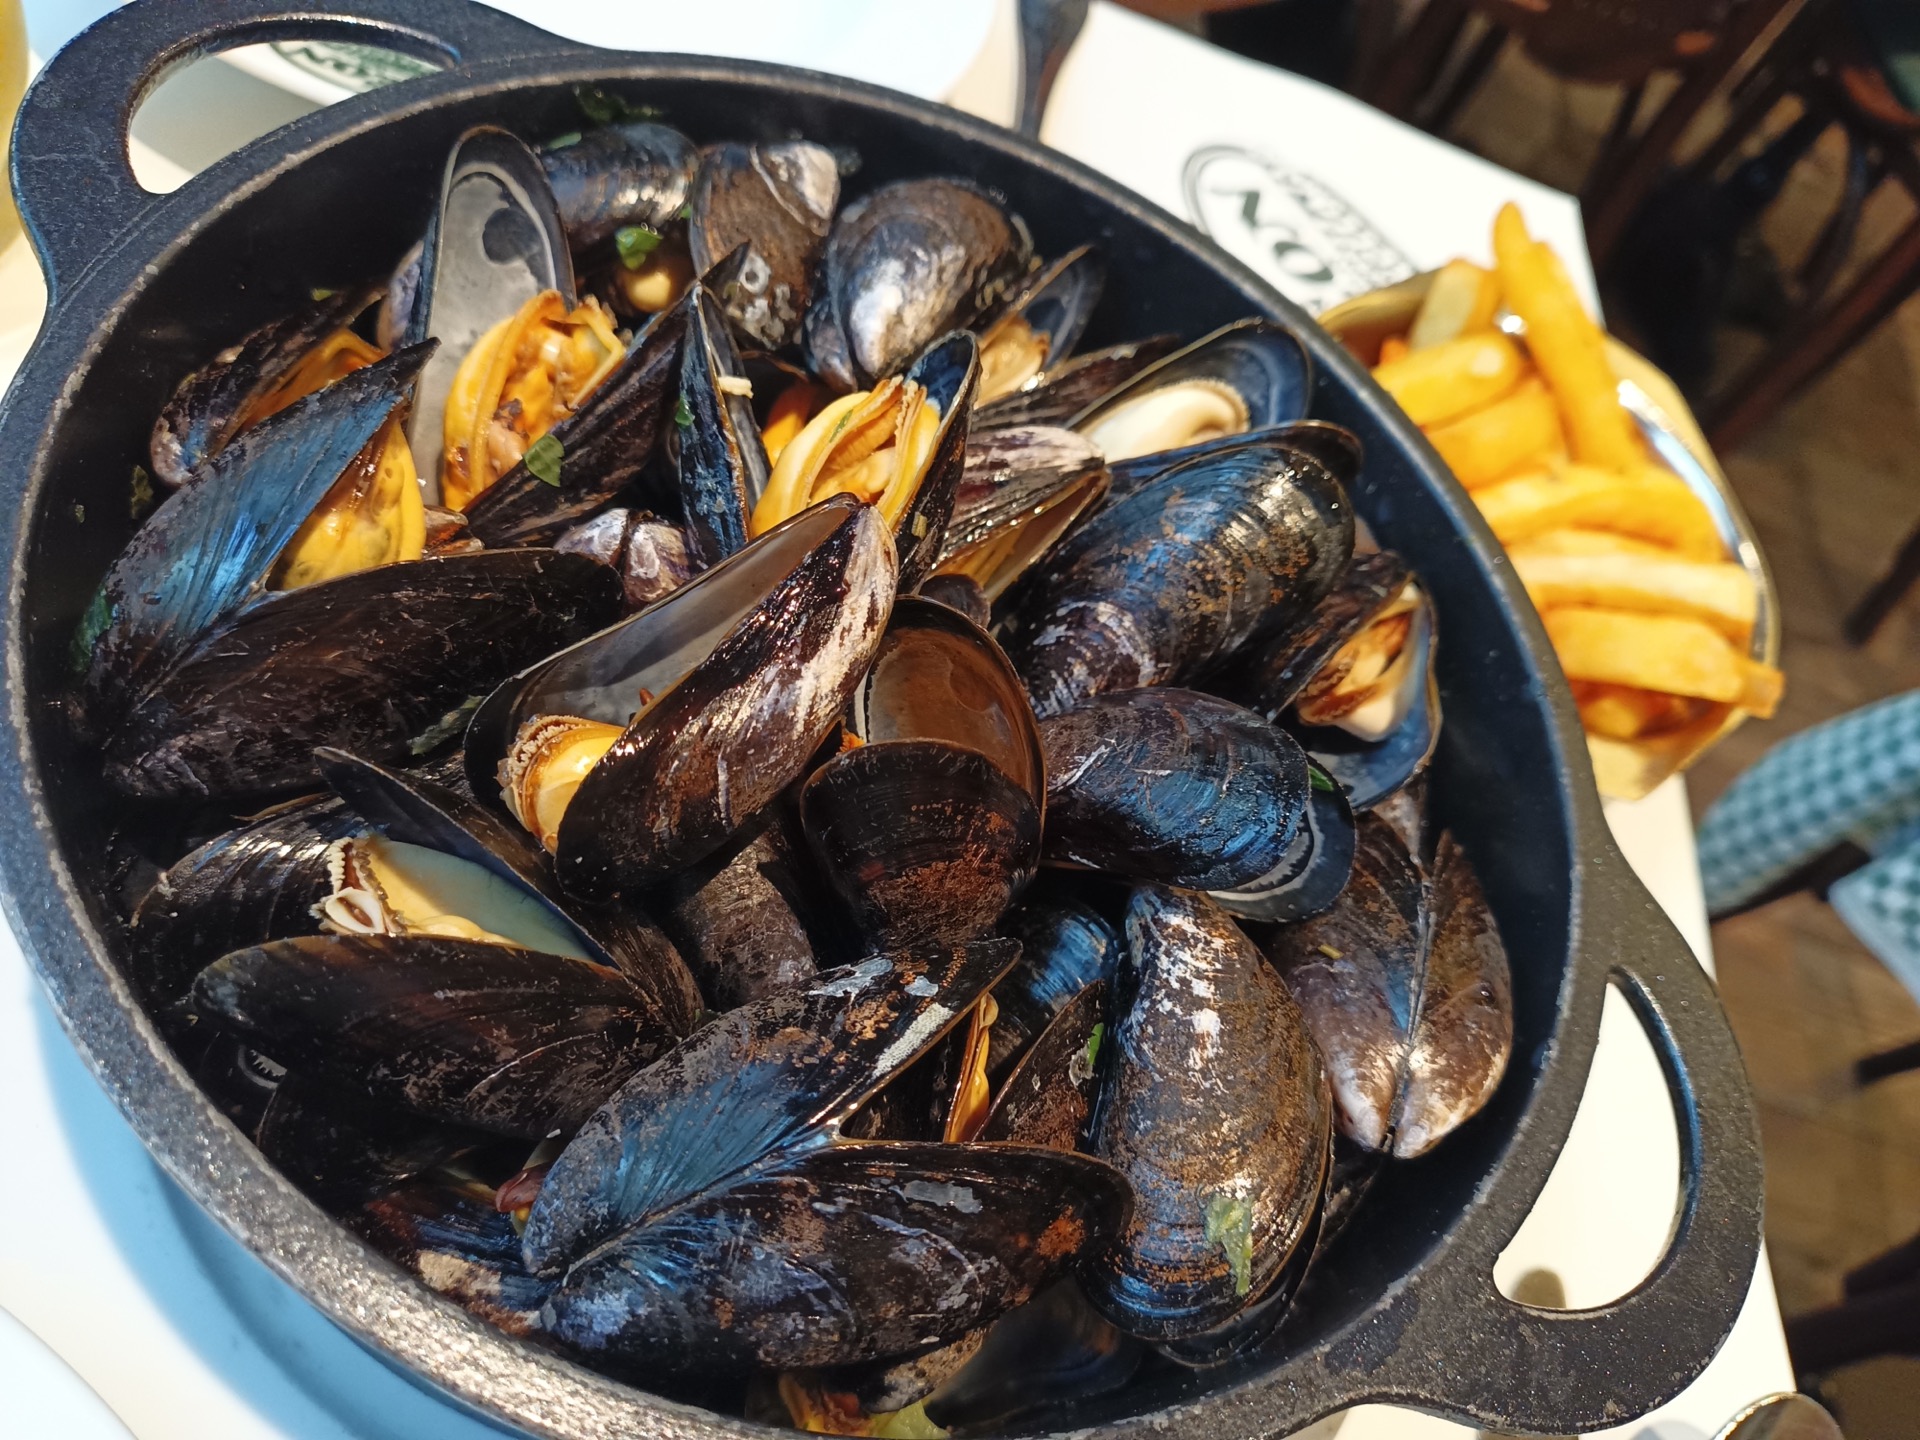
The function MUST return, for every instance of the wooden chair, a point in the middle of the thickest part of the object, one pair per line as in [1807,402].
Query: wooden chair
[1426,73]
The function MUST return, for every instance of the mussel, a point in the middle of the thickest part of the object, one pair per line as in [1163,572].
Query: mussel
[1406,988]
[1313,871]
[1217,1111]
[649,555]
[1164,585]
[633,173]
[1172,786]
[777,200]
[1022,491]
[1064,390]
[1040,326]
[1066,946]
[738,919]
[640,751]
[930,824]
[903,265]
[723,465]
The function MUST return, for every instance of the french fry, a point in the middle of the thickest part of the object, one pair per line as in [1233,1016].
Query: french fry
[1437,384]
[1720,593]
[1567,346]
[1491,443]
[1575,541]
[1393,348]
[1650,504]
[1461,301]
[1622,712]
[1674,653]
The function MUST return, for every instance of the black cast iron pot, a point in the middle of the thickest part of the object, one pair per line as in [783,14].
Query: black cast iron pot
[144,288]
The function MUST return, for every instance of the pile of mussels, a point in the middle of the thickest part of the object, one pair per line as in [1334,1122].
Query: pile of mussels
[823,847]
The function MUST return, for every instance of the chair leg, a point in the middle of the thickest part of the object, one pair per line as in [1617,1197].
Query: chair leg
[1616,146]
[1411,70]
[1808,349]
[1467,79]
[1830,251]
[1373,27]
[1888,591]
[1898,1061]
[1884,1322]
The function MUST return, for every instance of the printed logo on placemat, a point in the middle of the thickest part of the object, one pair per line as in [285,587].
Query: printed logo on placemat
[352,67]
[1290,226]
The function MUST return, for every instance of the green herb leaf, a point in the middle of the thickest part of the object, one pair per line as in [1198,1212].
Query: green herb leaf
[682,416]
[1230,1226]
[603,107]
[87,633]
[140,496]
[635,243]
[561,142]
[1080,1068]
[446,727]
[321,292]
[685,212]
[1319,779]
[543,459]
[79,513]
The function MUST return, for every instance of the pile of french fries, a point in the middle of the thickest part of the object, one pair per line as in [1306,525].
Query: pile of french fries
[1651,618]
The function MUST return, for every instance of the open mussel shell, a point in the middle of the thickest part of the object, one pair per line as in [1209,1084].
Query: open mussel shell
[747,668]
[1162,586]
[649,554]
[417,811]
[904,264]
[234,517]
[779,1074]
[342,1149]
[1250,375]
[961,593]
[1313,871]
[1371,770]
[1067,389]
[1217,1111]
[1171,786]
[1022,490]
[1405,986]
[931,825]
[1269,677]
[473,1033]
[494,242]
[1334,446]
[259,882]
[745,1277]
[632,173]
[1048,1096]
[778,200]
[1040,326]
[723,465]
[213,403]
[375,662]
[950,371]
[1065,947]
[737,918]
[460,1245]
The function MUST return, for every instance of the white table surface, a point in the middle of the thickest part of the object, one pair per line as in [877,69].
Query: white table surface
[186,1336]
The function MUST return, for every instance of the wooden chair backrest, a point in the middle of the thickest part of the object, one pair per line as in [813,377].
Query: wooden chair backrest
[1614,41]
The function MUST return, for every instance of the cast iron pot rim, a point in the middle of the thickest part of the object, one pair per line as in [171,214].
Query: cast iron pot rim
[507,1379]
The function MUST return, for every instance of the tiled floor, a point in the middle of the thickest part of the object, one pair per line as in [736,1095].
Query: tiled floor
[1833,484]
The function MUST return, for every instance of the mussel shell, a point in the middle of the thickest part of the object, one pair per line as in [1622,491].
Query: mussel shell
[925,841]
[1256,1324]
[1465,1034]
[1054,1350]
[1172,786]
[1313,872]
[417,811]
[1260,359]
[234,517]
[493,243]
[949,368]
[1334,446]
[731,724]
[649,555]
[777,1075]
[259,882]
[604,445]
[487,1036]
[959,593]
[1217,1111]
[1055,304]
[1162,586]
[904,264]
[343,1150]
[1065,946]
[723,465]
[736,918]
[209,405]
[633,173]
[927,1243]
[779,201]
[370,662]
[884,1386]
[1371,771]
[1048,1096]
[1063,391]
[459,1245]
[1035,480]
[1269,677]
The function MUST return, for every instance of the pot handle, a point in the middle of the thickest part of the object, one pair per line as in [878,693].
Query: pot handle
[1555,1371]
[71,177]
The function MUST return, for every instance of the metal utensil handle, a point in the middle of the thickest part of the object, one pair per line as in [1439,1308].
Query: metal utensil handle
[71,177]
[1048,29]
[1551,1371]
